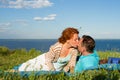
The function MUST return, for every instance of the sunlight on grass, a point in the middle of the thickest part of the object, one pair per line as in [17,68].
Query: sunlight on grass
[10,58]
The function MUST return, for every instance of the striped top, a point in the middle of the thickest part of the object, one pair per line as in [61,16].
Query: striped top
[53,54]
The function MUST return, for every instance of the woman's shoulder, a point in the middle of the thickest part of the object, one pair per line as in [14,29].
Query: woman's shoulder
[56,45]
[74,51]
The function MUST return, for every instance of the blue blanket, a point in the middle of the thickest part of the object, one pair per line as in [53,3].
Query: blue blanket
[106,66]
[37,73]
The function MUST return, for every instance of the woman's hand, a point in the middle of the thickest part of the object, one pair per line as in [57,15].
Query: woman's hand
[72,69]
[66,69]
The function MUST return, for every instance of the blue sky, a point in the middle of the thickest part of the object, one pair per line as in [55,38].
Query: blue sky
[45,19]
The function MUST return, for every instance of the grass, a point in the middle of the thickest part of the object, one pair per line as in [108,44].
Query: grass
[10,58]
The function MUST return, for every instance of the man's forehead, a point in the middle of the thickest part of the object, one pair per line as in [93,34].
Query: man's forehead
[81,39]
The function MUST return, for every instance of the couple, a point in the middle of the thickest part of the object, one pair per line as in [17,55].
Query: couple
[63,54]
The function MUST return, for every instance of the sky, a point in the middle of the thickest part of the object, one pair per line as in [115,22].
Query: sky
[46,19]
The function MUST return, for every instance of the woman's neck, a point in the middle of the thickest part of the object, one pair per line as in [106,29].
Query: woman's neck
[65,50]
[67,46]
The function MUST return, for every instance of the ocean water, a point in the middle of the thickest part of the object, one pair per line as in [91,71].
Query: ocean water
[108,44]
[44,44]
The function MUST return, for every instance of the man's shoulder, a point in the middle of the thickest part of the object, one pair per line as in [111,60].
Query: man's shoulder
[90,58]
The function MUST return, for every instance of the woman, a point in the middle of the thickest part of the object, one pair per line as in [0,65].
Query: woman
[61,56]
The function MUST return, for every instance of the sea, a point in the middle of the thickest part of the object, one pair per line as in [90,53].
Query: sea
[44,44]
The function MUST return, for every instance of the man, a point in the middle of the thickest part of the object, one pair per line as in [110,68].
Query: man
[89,57]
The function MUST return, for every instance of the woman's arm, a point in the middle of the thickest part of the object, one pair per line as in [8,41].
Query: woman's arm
[70,66]
[52,55]
[49,56]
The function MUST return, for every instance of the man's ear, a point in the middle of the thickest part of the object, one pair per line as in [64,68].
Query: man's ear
[84,49]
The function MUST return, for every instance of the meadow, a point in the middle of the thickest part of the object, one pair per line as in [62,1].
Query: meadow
[10,58]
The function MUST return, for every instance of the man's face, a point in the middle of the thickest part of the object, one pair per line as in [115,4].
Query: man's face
[80,47]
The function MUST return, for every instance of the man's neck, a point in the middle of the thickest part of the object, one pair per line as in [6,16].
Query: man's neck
[85,53]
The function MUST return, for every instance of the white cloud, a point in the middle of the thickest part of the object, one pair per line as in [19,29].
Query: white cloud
[52,15]
[4,1]
[49,17]
[37,18]
[25,3]
[4,26]
[21,21]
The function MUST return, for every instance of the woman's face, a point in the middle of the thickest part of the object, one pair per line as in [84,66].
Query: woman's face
[74,40]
